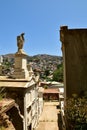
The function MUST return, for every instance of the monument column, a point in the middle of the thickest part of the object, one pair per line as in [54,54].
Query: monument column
[20,70]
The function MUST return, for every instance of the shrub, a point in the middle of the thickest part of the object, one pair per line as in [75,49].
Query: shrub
[76,112]
[45,86]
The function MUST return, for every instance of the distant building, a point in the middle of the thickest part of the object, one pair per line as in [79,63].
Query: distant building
[51,94]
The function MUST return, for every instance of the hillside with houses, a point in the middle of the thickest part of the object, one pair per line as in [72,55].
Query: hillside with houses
[45,64]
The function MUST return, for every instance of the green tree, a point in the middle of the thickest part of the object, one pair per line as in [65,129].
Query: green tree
[47,72]
[58,74]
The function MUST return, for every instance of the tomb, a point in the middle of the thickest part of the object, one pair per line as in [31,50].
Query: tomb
[22,86]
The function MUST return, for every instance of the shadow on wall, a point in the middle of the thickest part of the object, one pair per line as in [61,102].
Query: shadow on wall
[60,122]
[15,118]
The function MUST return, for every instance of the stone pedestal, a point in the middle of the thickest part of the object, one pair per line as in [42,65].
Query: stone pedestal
[21,71]
[30,70]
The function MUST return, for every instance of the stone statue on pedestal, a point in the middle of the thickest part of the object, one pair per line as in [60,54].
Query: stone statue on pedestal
[20,71]
[20,42]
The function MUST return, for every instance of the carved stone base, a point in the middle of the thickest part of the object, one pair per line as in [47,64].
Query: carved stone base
[21,74]
[21,71]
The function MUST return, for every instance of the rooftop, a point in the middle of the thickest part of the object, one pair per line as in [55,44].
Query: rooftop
[51,90]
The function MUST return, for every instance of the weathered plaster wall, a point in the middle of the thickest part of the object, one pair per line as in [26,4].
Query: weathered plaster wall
[74,47]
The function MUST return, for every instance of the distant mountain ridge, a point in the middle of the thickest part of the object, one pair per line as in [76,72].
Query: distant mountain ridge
[42,62]
[40,56]
[10,55]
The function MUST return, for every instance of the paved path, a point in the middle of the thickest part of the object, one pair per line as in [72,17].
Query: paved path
[49,117]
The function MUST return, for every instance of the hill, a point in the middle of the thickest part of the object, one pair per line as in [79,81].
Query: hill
[40,61]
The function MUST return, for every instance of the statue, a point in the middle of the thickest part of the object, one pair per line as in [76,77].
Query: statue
[20,42]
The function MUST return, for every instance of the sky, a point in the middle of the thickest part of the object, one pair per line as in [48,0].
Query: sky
[40,20]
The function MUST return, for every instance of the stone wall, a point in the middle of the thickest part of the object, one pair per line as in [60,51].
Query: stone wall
[74,47]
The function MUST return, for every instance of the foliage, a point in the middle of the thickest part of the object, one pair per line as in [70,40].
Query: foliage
[45,86]
[58,73]
[47,72]
[48,79]
[36,59]
[76,112]
[6,66]
[7,63]
[2,93]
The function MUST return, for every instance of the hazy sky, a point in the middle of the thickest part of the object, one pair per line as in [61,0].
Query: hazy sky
[41,21]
